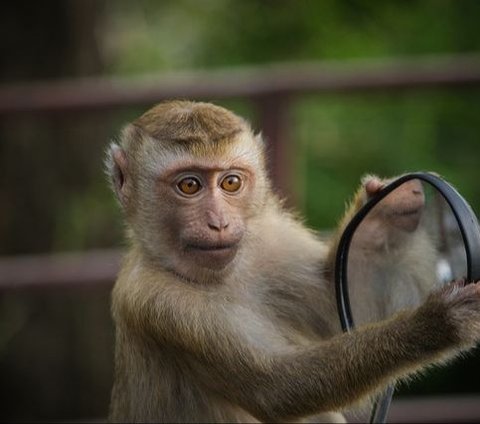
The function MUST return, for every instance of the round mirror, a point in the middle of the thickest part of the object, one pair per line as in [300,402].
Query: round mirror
[407,245]
[415,235]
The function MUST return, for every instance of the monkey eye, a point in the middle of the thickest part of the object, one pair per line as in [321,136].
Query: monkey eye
[231,183]
[189,185]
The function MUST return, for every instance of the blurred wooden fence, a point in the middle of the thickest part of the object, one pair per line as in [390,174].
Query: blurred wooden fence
[271,88]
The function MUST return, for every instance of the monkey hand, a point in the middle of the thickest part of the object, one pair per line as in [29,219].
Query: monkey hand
[453,315]
[372,185]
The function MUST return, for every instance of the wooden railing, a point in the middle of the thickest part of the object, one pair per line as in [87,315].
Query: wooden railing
[270,81]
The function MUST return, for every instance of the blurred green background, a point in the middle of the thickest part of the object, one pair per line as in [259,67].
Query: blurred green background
[55,347]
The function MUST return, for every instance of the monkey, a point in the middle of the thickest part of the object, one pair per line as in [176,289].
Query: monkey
[224,305]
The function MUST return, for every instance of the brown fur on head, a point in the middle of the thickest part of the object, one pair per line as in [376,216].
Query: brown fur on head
[191,123]
[182,139]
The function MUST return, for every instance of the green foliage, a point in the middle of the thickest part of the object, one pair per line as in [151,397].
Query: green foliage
[346,137]
[147,35]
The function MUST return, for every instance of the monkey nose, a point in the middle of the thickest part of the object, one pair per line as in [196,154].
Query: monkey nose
[416,186]
[218,225]
[216,222]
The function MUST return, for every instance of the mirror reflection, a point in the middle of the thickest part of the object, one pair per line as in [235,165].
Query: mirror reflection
[408,245]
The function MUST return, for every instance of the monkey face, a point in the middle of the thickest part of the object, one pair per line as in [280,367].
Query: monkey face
[206,200]
[403,208]
[192,210]
[395,217]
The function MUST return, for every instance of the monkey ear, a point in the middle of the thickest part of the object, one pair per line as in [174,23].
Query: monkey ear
[259,139]
[117,171]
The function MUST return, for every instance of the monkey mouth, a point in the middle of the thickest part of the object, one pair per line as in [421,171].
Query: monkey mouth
[407,219]
[216,247]
[212,255]
[409,212]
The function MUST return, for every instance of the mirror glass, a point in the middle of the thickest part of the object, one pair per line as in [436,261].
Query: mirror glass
[408,245]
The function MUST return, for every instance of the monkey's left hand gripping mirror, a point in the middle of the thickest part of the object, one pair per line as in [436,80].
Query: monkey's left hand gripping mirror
[414,235]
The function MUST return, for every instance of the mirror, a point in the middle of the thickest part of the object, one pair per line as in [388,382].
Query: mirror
[412,237]
[409,244]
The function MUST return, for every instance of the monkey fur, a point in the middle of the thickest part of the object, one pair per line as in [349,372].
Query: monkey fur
[224,306]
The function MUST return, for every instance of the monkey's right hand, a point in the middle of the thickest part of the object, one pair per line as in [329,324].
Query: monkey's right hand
[453,316]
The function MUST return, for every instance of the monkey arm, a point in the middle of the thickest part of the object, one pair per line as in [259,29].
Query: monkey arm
[324,377]
[296,382]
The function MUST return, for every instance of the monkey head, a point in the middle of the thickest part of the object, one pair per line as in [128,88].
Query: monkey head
[189,177]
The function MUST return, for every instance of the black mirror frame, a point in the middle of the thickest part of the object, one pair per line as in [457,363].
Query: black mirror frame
[469,228]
